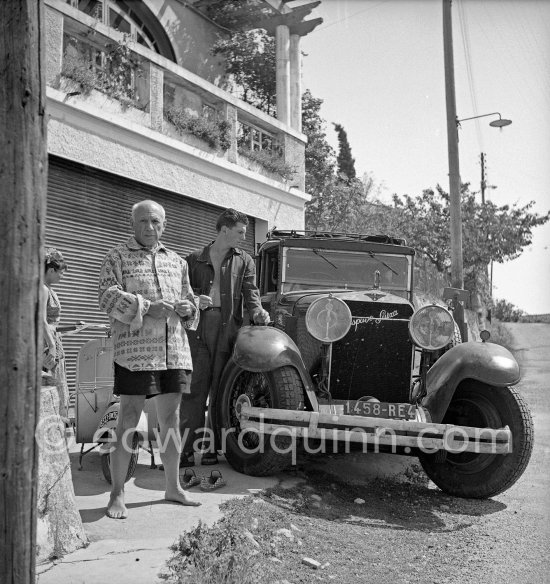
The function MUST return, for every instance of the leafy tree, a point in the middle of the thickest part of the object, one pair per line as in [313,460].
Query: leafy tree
[489,232]
[237,15]
[320,156]
[335,205]
[250,67]
[334,202]
[346,163]
[506,311]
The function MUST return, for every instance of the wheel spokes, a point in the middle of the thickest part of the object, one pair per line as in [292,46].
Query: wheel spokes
[255,387]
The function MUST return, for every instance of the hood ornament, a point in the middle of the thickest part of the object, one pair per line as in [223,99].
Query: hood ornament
[375,295]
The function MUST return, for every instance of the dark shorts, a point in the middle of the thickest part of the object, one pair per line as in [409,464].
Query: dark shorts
[151,383]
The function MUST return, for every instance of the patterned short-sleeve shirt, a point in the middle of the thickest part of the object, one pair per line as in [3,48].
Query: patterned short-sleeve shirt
[132,277]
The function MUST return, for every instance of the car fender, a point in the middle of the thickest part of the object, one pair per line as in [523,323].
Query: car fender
[265,348]
[486,362]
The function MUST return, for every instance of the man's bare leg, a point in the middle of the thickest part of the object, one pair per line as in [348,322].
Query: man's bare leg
[170,444]
[131,407]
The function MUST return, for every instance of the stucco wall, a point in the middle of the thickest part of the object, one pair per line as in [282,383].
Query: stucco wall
[87,134]
[192,37]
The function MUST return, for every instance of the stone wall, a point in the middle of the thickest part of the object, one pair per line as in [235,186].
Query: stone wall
[59,528]
[428,288]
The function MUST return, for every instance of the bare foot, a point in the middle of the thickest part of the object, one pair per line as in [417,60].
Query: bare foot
[116,509]
[179,496]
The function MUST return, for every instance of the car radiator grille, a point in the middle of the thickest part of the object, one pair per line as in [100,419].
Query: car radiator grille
[374,358]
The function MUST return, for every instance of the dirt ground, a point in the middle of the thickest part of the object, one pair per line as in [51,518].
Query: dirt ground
[412,532]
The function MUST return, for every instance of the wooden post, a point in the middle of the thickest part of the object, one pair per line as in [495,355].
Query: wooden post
[23,173]
[455,211]
[452,141]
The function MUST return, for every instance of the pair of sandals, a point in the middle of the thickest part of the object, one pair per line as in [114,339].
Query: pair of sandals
[211,483]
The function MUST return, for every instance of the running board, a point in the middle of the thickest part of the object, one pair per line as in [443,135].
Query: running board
[425,436]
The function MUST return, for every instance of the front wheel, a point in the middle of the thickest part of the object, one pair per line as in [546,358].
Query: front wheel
[479,475]
[248,451]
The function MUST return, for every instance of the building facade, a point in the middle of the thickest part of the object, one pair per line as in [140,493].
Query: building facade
[135,111]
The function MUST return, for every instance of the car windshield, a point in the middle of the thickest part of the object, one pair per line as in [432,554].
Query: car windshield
[311,268]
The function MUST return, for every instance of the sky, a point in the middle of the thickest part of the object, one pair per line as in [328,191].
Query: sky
[378,66]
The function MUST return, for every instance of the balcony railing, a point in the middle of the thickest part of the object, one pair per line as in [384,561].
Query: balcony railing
[86,59]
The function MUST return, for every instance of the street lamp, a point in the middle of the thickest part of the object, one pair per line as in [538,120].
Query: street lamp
[500,123]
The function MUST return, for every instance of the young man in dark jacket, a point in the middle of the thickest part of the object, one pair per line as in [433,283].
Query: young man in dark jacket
[224,277]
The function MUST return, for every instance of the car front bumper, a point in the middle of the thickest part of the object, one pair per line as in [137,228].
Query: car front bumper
[408,435]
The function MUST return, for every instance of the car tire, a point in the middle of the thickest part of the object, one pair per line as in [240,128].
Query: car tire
[249,452]
[457,337]
[106,461]
[480,475]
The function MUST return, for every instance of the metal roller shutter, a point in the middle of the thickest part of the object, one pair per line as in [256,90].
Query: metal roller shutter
[88,213]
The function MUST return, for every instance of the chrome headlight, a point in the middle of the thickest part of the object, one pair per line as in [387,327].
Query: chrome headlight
[432,327]
[328,319]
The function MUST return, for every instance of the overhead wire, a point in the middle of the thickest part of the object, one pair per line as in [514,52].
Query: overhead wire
[462,17]
[350,16]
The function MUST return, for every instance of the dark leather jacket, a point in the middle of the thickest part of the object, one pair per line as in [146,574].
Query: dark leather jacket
[237,287]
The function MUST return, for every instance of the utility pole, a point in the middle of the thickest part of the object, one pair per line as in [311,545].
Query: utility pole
[457,280]
[23,170]
[483,183]
[485,186]
[457,277]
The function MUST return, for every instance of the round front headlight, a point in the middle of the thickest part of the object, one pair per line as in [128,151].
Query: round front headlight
[432,327]
[328,319]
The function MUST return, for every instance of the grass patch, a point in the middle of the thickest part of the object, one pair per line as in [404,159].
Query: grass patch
[265,538]
[244,547]
[500,335]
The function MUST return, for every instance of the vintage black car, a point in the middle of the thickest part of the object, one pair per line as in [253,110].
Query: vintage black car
[350,360]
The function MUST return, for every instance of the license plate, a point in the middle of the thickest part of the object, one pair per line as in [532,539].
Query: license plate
[370,409]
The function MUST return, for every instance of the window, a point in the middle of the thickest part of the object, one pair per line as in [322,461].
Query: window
[131,18]
[253,138]
[310,268]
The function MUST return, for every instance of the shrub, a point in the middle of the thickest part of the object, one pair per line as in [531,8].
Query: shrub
[500,335]
[216,133]
[271,161]
[79,69]
[214,555]
[115,78]
[506,311]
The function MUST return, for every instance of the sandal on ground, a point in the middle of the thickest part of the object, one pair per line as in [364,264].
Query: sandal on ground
[209,458]
[189,479]
[214,481]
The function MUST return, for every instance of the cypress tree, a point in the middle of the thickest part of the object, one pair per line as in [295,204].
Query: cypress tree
[346,162]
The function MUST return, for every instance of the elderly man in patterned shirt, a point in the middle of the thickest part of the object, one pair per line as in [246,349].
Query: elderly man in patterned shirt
[145,290]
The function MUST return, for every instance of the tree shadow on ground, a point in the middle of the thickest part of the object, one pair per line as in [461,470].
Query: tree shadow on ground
[384,503]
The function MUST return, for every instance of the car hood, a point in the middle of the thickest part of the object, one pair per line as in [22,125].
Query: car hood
[301,299]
